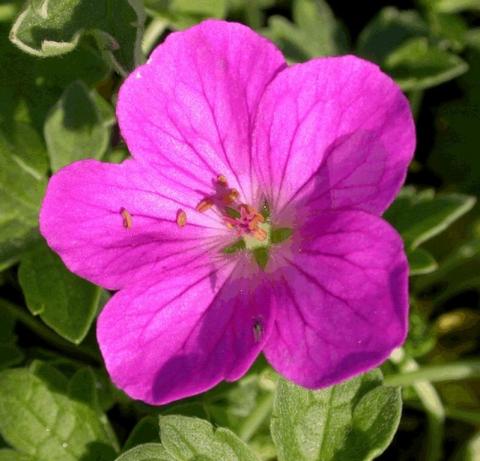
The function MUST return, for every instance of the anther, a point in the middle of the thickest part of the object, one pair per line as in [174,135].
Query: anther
[181,218]
[231,196]
[260,234]
[222,180]
[127,218]
[204,205]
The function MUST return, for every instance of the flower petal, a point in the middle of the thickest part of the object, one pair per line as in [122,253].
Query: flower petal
[84,219]
[189,110]
[342,299]
[185,334]
[341,111]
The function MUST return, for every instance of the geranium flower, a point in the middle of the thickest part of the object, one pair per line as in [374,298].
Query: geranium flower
[247,220]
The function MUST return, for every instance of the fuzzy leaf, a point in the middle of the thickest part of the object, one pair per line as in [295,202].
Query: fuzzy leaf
[454,6]
[76,127]
[388,31]
[146,452]
[187,439]
[185,13]
[417,65]
[145,431]
[10,354]
[419,217]
[38,418]
[421,262]
[65,302]
[22,184]
[355,420]
[314,31]
[54,27]
[12,455]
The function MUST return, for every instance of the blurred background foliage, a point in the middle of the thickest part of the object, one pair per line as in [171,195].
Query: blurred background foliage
[61,63]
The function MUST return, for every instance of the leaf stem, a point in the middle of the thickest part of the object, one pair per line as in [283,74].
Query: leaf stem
[431,403]
[256,418]
[152,33]
[459,414]
[434,373]
[47,334]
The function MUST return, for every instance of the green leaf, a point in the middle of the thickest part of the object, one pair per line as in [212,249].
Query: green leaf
[419,217]
[421,262]
[10,354]
[454,157]
[54,27]
[22,185]
[146,452]
[65,302]
[76,127]
[388,31]
[314,31]
[145,431]
[418,65]
[37,418]
[355,420]
[185,13]
[455,6]
[193,438]
[12,455]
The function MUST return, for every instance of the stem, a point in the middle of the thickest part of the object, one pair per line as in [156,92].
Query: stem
[256,418]
[153,31]
[47,334]
[416,98]
[434,373]
[459,414]
[431,403]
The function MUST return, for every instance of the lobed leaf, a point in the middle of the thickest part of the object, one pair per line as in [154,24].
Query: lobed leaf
[314,32]
[22,185]
[355,420]
[421,262]
[192,438]
[146,452]
[54,27]
[39,419]
[418,65]
[419,217]
[77,127]
[65,302]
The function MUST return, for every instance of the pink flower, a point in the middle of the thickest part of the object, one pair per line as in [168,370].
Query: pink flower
[247,220]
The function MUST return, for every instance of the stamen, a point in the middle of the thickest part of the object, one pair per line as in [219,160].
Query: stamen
[260,234]
[127,218]
[181,218]
[204,205]
[222,180]
[231,196]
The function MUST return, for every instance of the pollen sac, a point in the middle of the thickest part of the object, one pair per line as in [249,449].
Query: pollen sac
[204,205]
[127,218]
[181,218]
[222,180]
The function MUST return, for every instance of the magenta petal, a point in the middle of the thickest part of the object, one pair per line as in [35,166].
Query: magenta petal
[342,111]
[183,335]
[189,111]
[81,219]
[342,299]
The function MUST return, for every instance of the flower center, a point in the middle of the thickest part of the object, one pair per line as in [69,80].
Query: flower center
[244,219]
[253,228]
